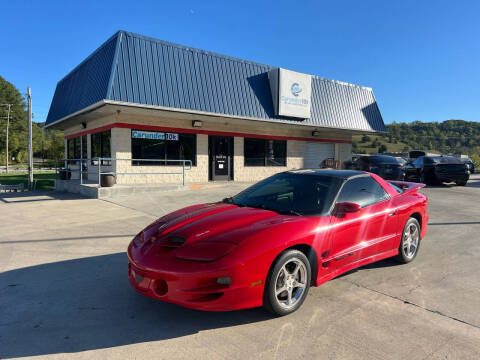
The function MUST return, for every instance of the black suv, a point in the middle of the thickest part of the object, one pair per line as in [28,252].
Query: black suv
[437,170]
[385,166]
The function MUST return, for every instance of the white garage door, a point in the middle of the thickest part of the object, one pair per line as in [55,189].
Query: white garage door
[316,152]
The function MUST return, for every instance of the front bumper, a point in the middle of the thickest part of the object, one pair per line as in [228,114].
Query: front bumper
[197,289]
[452,177]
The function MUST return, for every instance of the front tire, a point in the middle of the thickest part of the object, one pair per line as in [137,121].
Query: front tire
[461,182]
[408,249]
[287,283]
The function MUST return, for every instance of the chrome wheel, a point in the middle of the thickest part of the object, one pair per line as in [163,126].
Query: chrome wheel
[290,283]
[411,237]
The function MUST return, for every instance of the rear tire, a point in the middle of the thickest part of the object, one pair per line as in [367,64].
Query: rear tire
[287,283]
[410,243]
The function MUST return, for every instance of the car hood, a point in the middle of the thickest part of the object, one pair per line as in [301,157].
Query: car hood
[213,222]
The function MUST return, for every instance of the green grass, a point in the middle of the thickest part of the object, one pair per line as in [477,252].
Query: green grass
[45,180]
[365,148]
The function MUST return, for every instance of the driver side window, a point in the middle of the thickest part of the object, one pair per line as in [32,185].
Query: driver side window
[363,191]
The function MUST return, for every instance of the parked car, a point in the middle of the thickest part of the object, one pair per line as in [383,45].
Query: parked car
[437,170]
[271,242]
[385,166]
[469,163]
[401,160]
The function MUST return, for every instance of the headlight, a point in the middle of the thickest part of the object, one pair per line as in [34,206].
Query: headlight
[205,251]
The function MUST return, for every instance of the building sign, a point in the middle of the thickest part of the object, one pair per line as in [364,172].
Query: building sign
[291,93]
[153,135]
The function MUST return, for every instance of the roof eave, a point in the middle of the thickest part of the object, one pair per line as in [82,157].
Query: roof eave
[204,113]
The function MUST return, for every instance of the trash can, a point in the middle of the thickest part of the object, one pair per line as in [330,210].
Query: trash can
[107,180]
[65,174]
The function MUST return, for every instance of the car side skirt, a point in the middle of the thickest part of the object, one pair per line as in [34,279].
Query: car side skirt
[356,264]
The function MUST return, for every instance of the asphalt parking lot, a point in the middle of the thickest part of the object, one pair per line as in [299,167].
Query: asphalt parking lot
[64,291]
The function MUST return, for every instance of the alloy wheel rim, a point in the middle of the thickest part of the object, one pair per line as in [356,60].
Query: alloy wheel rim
[411,236]
[290,283]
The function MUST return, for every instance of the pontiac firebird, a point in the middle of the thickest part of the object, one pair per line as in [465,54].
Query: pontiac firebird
[267,245]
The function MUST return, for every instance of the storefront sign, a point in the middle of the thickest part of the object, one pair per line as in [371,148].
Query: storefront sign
[153,135]
[291,93]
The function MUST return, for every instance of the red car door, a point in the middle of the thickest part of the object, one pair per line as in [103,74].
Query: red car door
[363,233]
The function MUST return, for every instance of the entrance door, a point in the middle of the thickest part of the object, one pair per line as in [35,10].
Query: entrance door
[220,150]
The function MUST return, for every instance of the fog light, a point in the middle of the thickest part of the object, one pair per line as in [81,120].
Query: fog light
[224,281]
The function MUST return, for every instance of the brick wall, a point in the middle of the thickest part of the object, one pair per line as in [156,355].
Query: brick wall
[121,147]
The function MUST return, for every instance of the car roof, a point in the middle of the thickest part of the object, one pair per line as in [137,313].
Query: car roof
[342,174]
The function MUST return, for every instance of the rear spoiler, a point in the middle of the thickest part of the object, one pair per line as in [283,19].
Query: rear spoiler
[407,186]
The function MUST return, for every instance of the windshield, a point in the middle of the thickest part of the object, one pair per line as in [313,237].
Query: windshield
[388,160]
[445,160]
[290,193]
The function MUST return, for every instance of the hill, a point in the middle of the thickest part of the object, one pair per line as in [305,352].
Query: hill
[450,136]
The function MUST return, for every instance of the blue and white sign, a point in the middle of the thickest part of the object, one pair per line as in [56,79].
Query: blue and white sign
[291,92]
[153,135]
[295,89]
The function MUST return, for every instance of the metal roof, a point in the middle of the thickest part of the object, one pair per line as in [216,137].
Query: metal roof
[134,69]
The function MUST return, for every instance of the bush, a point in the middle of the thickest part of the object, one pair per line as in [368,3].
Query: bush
[366,138]
[476,160]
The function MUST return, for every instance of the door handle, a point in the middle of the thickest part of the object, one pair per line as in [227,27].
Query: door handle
[393,213]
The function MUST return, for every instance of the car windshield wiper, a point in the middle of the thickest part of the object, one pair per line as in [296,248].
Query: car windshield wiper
[283,212]
[289,212]
[229,200]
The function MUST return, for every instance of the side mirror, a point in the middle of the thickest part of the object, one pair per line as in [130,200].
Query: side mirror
[346,207]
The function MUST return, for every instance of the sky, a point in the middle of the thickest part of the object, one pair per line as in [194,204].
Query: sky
[422,58]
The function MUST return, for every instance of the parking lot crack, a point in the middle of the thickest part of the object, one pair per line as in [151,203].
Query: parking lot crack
[407,302]
[131,208]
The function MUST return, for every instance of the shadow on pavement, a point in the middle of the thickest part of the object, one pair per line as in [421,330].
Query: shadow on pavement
[32,196]
[87,304]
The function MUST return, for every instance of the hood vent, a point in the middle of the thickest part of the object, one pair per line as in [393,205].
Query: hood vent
[175,241]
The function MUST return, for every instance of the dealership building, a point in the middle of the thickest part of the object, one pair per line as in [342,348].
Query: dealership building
[147,106]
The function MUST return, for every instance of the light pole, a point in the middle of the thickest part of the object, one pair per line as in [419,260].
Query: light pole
[6,140]
[30,149]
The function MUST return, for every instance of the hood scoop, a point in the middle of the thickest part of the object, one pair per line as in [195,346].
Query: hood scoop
[173,241]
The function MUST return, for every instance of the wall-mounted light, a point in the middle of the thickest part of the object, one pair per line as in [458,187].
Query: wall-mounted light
[315,133]
[197,123]
[84,124]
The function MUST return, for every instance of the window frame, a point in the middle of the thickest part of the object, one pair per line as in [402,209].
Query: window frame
[265,152]
[76,150]
[165,151]
[102,135]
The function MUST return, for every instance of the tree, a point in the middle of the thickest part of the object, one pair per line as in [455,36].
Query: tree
[52,140]
[366,138]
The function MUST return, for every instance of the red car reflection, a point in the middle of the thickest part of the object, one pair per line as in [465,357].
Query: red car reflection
[267,245]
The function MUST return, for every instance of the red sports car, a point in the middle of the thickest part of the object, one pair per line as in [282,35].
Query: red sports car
[268,244]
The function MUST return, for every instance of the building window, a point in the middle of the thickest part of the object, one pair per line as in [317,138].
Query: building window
[264,152]
[168,147]
[100,146]
[84,147]
[73,149]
